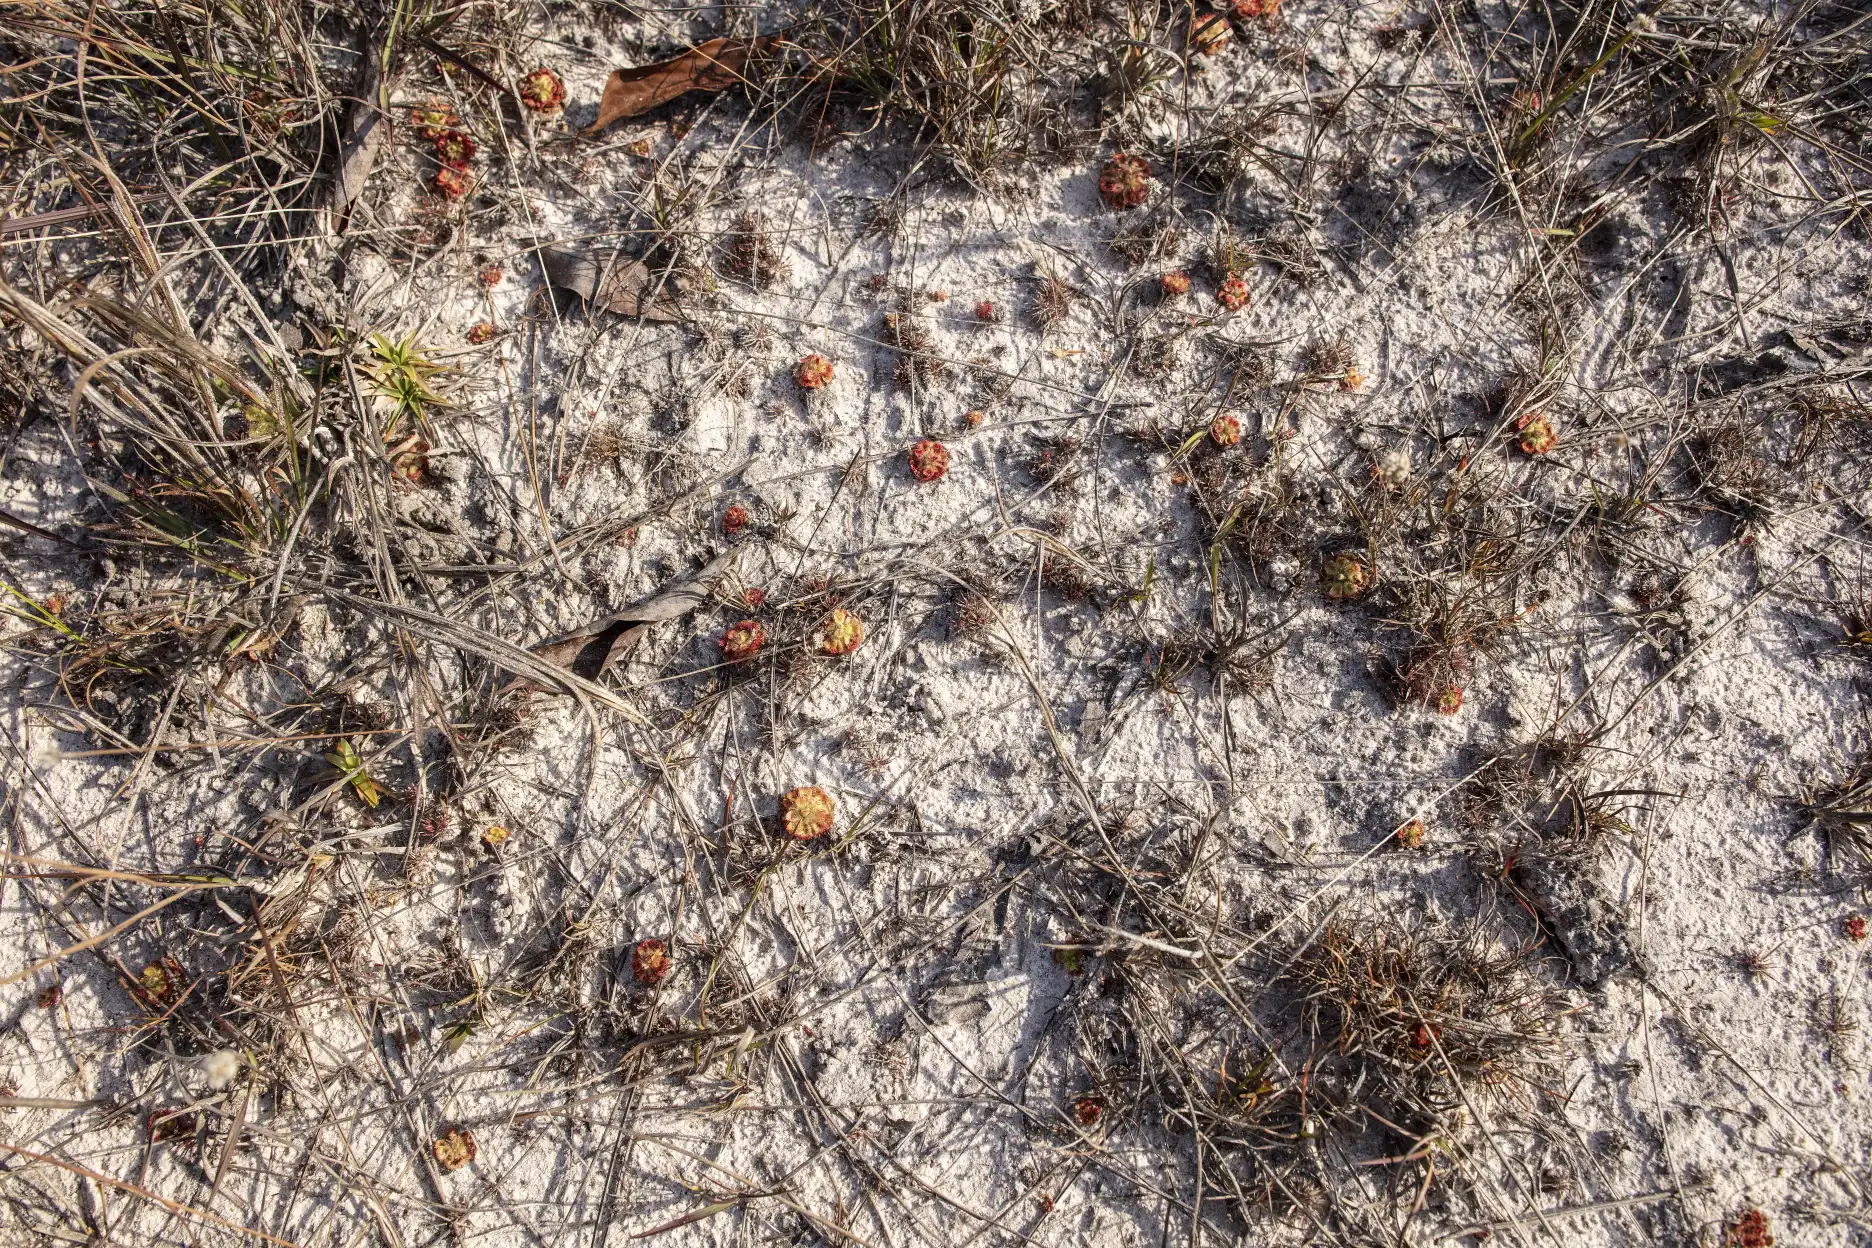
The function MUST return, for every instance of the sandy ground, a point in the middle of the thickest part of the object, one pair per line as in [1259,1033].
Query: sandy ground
[1074,861]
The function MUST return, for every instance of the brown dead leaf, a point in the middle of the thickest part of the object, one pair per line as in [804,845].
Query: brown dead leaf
[617,284]
[591,650]
[711,66]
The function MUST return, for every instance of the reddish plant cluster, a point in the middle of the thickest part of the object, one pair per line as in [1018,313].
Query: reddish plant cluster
[1225,430]
[542,90]
[743,641]
[929,460]
[806,812]
[1125,180]
[813,372]
[650,962]
[1175,282]
[1233,293]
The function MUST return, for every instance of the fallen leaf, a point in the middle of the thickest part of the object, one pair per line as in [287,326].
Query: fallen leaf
[592,650]
[710,66]
[618,284]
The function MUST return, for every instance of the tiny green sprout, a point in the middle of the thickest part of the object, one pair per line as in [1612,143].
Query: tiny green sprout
[400,375]
[345,758]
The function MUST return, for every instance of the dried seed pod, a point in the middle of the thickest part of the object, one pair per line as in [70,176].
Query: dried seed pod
[1125,180]
[842,633]
[1225,430]
[650,962]
[453,183]
[1344,576]
[454,149]
[1233,293]
[1175,282]
[929,460]
[1537,435]
[454,1148]
[806,812]
[542,90]
[743,641]
[813,372]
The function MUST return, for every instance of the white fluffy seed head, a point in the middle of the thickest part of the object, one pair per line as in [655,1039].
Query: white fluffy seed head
[221,1066]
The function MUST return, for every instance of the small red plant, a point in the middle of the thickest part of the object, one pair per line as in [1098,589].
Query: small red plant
[806,812]
[1411,835]
[734,519]
[1175,282]
[481,333]
[1225,430]
[1449,699]
[1233,293]
[987,313]
[1854,927]
[843,632]
[496,835]
[743,641]
[163,1125]
[754,598]
[454,183]
[1125,180]
[650,962]
[454,149]
[974,417]
[1087,1110]
[1209,33]
[813,372]
[1423,1036]
[929,460]
[1250,10]
[1344,576]
[1750,1231]
[543,91]
[454,1148]
[491,275]
[1537,435]
[432,117]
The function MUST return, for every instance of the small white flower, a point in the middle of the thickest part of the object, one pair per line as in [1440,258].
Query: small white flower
[220,1067]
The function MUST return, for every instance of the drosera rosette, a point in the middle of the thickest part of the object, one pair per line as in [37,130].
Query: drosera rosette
[734,519]
[454,1148]
[453,183]
[432,117]
[454,150]
[929,460]
[1174,283]
[1411,835]
[495,835]
[843,633]
[1125,181]
[650,962]
[1535,434]
[1344,577]
[1209,33]
[542,91]
[806,812]
[1225,430]
[813,372]
[742,641]
[1233,294]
